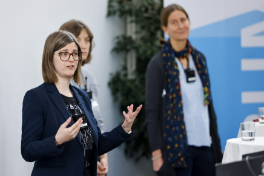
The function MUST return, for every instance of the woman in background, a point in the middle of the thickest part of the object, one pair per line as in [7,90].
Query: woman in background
[90,85]
[180,117]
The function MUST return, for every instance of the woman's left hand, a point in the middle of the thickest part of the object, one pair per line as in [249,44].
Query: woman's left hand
[102,168]
[102,165]
[130,117]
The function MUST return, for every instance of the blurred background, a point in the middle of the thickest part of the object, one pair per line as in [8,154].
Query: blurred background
[230,33]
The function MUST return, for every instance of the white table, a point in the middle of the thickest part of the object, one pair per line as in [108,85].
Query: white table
[259,130]
[235,148]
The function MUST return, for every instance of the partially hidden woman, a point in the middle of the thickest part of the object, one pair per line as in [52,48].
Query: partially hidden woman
[90,85]
[59,131]
[180,117]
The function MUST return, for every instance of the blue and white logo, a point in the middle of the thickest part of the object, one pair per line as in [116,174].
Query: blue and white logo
[234,49]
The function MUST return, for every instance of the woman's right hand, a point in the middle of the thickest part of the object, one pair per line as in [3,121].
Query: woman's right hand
[65,134]
[157,163]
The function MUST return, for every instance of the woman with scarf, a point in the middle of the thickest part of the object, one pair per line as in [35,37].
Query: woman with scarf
[180,117]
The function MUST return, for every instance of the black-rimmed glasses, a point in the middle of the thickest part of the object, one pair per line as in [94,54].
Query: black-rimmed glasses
[64,56]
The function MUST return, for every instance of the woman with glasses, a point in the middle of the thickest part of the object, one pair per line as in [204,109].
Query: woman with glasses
[180,117]
[59,131]
[90,85]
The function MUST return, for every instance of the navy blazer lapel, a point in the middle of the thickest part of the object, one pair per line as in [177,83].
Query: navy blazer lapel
[88,115]
[57,100]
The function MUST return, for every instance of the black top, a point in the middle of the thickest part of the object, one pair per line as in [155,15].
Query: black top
[155,105]
[86,134]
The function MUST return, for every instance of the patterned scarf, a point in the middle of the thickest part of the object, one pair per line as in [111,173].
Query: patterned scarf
[174,130]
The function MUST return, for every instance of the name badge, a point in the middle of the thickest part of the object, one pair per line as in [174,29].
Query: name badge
[190,75]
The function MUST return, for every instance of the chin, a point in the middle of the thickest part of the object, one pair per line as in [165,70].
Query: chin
[84,58]
[70,74]
[181,38]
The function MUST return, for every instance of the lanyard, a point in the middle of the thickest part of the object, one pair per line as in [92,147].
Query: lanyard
[90,93]
[190,74]
[188,67]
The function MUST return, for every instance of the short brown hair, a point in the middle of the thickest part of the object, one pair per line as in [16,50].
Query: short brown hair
[54,42]
[76,27]
[165,13]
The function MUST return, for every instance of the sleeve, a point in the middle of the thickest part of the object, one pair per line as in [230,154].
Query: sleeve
[97,116]
[94,87]
[216,144]
[33,147]
[153,105]
[109,140]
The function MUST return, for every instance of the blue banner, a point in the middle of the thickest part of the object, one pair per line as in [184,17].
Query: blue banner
[234,49]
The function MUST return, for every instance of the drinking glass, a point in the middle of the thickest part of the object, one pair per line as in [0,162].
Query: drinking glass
[261,112]
[247,131]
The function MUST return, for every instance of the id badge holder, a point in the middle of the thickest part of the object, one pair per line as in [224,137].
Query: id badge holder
[83,116]
[190,75]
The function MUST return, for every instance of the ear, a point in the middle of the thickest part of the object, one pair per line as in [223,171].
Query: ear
[164,28]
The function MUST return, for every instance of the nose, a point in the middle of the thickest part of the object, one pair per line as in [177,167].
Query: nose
[71,58]
[180,25]
[82,45]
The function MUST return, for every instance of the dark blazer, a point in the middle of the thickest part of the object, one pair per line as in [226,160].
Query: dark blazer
[43,113]
[155,105]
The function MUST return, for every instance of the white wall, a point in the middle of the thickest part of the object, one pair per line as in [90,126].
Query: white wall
[24,27]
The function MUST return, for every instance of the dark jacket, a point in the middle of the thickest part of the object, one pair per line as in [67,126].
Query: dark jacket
[155,105]
[43,113]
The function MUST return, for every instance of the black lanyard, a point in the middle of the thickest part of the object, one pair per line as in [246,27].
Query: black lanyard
[190,74]
[90,93]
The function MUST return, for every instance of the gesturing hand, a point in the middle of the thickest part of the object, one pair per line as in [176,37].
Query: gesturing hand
[130,117]
[65,134]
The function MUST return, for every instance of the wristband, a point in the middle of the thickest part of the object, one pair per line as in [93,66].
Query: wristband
[156,157]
